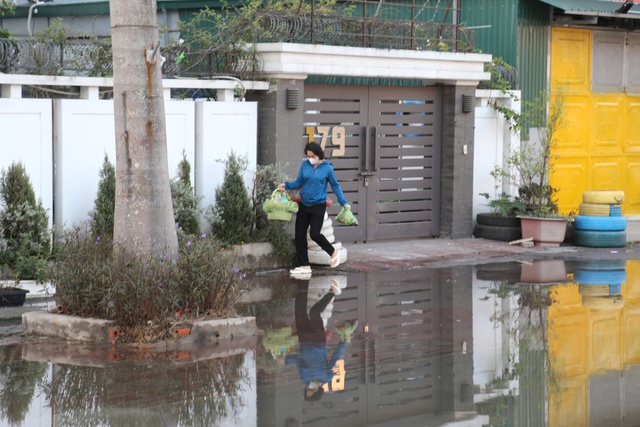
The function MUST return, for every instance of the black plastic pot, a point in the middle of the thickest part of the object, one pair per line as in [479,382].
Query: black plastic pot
[12,297]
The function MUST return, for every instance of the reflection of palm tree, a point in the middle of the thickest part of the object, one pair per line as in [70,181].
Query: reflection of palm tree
[163,392]
[18,379]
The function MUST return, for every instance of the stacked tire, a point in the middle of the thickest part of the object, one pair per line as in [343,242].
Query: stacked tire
[495,227]
[319,286]
[600,282]
[600,223]
[319,256]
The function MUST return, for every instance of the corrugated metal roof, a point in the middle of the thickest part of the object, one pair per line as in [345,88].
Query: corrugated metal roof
[612,9]
[22,3]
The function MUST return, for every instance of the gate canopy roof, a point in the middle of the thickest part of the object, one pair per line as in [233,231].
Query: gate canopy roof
[294,60]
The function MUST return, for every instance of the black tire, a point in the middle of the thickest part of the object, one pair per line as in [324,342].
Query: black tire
[497,220]
[502,234]
[499,271]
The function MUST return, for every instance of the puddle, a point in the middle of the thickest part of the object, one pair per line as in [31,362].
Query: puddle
[544,343]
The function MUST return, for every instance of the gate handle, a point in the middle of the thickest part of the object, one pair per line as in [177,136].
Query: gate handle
[369,149]
[374,149]
[364,161]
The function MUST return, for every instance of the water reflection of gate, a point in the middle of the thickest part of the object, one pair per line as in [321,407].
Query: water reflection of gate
[405,365]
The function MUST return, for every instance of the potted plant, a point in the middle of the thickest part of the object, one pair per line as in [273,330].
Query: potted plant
[11,295]
[528,167]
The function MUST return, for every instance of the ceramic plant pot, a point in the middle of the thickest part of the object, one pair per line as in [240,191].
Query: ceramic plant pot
[544,231]
[543,271]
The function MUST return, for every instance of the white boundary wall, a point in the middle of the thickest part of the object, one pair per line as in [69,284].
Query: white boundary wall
[493,143]
[62,142]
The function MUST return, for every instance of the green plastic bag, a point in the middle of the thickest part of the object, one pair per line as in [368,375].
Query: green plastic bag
[346,217]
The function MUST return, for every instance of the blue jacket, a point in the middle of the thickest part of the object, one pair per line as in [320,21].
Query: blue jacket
[312,183]
[312,362]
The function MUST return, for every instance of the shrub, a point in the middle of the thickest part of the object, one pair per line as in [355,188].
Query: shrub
[6,7]
[24,223]
[185,202]
[266,180]
[232,219]
[94,280]
[104,204]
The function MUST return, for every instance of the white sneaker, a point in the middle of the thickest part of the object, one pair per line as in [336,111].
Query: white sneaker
[335,287]
[335,259]
[301,270]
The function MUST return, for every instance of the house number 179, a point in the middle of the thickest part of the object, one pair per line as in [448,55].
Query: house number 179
[337,135]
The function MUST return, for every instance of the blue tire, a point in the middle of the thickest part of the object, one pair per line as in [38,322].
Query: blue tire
[613,264]
[615,210]
[600,239]
[615,290]
[600,223]
[596,277]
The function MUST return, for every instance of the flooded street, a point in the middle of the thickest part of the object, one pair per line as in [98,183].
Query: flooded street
[539,343]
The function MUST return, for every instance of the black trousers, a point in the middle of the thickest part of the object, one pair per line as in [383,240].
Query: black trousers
[310,218]
[310,327]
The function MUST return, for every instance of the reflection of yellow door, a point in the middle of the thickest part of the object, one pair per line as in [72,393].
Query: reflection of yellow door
[600,147]
[584,342]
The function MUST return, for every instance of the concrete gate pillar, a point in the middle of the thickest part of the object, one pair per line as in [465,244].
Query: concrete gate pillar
[279,119]
[456,194]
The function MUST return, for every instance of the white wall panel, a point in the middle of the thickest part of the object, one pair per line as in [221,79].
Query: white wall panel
[222,127]
[180,121]
[84,133]
[27,137]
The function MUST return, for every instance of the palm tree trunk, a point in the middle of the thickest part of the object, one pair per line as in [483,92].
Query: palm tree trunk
[143,219]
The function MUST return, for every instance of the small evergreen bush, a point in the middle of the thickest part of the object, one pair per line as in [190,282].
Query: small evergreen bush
[105,202]
[185,201]
[24,223]
[232,219]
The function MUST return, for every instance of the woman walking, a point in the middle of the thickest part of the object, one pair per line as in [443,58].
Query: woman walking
[313,176]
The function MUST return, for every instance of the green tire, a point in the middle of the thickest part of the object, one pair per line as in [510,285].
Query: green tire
[600,239]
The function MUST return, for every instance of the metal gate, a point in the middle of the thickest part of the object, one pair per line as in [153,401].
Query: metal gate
[384,144]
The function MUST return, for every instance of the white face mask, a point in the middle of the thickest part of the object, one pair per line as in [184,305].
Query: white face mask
[313,160]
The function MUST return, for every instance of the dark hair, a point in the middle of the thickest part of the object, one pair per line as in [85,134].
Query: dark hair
[315,396]
[315,148]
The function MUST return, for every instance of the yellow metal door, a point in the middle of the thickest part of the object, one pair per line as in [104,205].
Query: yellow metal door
[600,147]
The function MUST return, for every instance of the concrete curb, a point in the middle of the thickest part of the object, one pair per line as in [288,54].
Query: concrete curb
[106,331]
[221,329]
[68,327]
[88,354]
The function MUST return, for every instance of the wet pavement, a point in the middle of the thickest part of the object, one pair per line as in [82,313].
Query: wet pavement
[458,333]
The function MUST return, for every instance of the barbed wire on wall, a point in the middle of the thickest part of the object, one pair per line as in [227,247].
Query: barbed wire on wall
[94,59]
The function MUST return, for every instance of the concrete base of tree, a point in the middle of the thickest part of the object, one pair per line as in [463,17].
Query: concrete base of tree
[105,331]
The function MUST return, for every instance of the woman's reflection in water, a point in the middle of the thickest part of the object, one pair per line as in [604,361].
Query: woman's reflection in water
[314,368]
